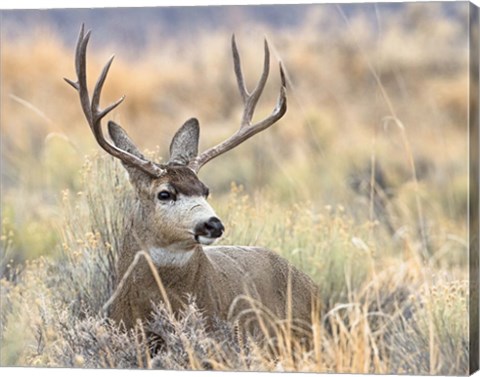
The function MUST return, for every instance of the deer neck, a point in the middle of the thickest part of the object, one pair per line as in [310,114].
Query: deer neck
[165,257]
[174,262]
[181,272]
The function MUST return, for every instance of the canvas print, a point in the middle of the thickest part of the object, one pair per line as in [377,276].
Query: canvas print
[241,188]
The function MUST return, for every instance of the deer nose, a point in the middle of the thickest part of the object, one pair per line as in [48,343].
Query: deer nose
[212,228]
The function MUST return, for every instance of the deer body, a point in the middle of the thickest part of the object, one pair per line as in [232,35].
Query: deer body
[173,222]
[218,277]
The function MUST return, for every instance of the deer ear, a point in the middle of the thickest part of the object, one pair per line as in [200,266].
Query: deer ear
[138,178]
[184,146]
[121,139]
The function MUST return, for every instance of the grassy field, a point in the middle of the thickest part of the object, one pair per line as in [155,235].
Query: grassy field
[363,185]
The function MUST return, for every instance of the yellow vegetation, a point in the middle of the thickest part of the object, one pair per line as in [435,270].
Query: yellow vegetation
[391,262]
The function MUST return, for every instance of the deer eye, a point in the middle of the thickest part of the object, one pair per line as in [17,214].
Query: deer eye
[165,196]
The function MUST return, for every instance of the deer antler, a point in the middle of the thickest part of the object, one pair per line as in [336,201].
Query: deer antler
[92,110]
[250,100]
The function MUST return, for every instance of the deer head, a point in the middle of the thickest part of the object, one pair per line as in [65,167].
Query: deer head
[173,213]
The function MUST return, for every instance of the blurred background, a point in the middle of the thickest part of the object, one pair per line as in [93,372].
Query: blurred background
[377,93]
[363,183]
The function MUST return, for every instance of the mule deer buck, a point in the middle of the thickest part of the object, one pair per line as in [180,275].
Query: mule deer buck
[175,225]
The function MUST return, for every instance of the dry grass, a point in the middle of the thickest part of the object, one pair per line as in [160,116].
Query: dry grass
[363,185]
[371,319]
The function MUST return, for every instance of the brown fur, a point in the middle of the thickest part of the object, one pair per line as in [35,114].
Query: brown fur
[217,277]
[173,227]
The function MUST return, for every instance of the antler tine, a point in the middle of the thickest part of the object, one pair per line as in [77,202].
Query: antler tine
[97,91]
[92,110]
[280,107]
[238,71]
[250,100]
[76,85]
[257,92]
[81,69]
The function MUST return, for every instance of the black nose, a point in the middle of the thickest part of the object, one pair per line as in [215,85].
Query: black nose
[212,228]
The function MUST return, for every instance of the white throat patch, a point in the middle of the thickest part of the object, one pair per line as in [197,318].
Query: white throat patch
[165,258]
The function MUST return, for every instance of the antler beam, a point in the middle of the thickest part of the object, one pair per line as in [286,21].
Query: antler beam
[250,100]
[92,110]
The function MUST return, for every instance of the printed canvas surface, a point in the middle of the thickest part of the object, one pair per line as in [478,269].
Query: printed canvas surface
[282,188]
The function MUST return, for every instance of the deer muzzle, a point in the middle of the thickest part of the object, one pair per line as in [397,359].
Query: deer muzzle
[206,232]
